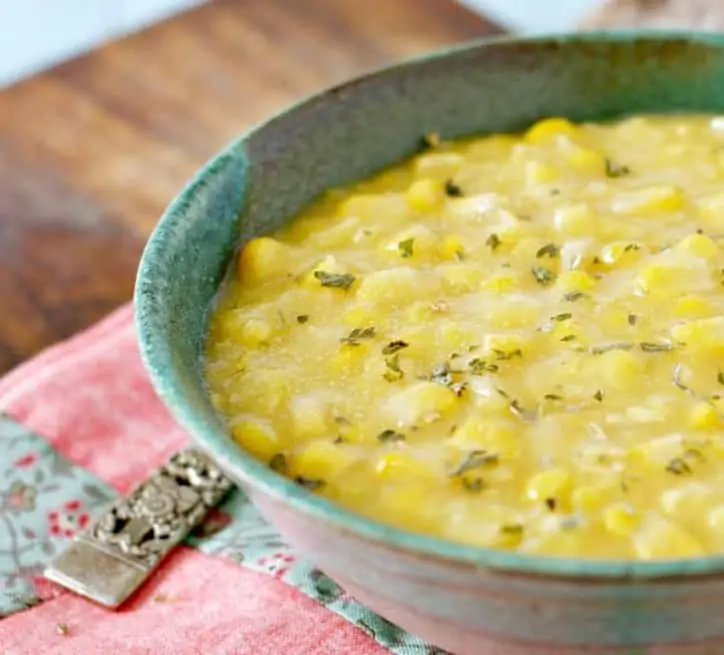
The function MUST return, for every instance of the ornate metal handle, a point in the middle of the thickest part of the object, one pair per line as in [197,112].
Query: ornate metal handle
[109,561]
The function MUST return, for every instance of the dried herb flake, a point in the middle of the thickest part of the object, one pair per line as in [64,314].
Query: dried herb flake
[479,366]
[452,189]
[656,347]
[543,276]
[390,436]
[394,346]
[406,247]
[311,484]
[549,250]
[357,334]
[335,280]
[614,170]
[678,466]
[473,460]
[493,242]
[278,463]
[302,318]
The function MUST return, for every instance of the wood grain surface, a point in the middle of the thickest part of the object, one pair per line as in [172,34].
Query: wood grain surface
[91,152]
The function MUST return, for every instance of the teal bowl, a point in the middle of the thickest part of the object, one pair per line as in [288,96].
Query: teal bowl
[471,601]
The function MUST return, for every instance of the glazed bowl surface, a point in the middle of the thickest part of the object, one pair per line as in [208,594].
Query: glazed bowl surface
[471,601]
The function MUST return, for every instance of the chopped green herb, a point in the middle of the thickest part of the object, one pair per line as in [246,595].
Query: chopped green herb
[393,373]
[430,141]
[473,485]
[458,388]
[335,280]
[512,530]
[357,334]
[502,392]
[543,276]
[525,414]
[504,355]
[406,247]
[278,463]
[460,255]
[302,318]
[572,296]
[615,170]
[549,250]
[632,318]
[720,377]
[452,189]
[473,348]
[473,460]
[555,192]
[678,466]
[394,346]
[441,374]
[493,241]
[312,484]
[552,396]
[632,247]
[390,436]
[598,395]
[479,366]
[656,347]
[604,348]
[341,420]
[551,504]
[562,317]
[568,337]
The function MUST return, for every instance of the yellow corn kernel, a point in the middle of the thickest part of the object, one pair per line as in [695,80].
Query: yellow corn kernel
[395,285]
[711,211]
[505,343]
[650,200]
[369,206]
[584,159]
[548,129]
[575,220]
[400,465]
[620,368]
[662,539]
[620,519]
[309,416]
[703,416]
[424,195]
[693,307]
[572,281]
[499,436]
[698,245]
[460,278]
[451,247]
[262,258]
[421,402]
[590,498]
[668,278]
[349,359]
[407,503]
[322,459]
[257,436]
[255,332]
[554,483]
[539,172]
[360,314]
[502,283]
[705,333]
[619,251]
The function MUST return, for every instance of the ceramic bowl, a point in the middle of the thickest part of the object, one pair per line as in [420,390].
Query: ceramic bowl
[471,601]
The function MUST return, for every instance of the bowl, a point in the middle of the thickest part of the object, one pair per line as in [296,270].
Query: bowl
[471,601]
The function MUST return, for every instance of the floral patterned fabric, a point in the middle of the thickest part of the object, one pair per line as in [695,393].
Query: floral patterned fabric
[90,399]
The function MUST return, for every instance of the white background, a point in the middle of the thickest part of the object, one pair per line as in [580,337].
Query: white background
[35,34]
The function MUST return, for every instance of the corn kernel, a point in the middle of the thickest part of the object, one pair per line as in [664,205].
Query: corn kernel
[703,416]
[451,247]
[584,159]
[620,519]
[620,368]
[498,436]
[322,459]
[395,285]
[502,283]
[698,245]
[658,452]
[693,307]
[590,498]
[547,129]
[360,314]
[668,278]
[553,483]
[421,402]
[309,416]
[662,539]
[399,465]
[460,278]
[255,332]
[262,258]
[257,436]
[424,195]
[572,281]
[575,220]
[650,200]
[512,315]
[617,251]
[539,172]
[701,333]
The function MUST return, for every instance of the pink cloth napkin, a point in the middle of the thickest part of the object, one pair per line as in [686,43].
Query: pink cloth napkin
[90,400]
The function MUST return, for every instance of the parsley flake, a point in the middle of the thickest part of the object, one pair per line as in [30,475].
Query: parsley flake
[493,241]
[394,346]
[598,395]
[406,247]
[452,189]
[720,378]
[572,296]
[678,466]
[473,485]
[473,460]
[312,484]
[614,170]
[390,436]
[335,280]
[393,373]
[278,463]
[302,318]
[549,250]
[430,141]
[357,334]
[565,316]
[656,347]
[480,366]
[543,276]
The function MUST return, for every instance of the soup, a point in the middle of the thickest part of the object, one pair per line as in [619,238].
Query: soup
[512,341]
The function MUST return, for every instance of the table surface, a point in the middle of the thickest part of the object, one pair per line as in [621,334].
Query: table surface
[91,152]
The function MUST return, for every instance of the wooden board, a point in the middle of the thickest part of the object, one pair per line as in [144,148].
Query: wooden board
[658,14]
[91,152]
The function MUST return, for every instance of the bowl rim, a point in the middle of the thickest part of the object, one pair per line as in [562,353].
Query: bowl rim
[158,360]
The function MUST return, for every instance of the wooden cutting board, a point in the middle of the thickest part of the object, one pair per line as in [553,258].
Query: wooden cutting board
[91,152]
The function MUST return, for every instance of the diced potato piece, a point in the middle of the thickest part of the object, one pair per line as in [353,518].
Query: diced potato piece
[370,206]
[395,286]
[512,315]
[703,416]
[620,369]
[698,245]
[554,483]
[705,333]
[539,173]
[620,519]
[421,402]
[650,200]
[620,251]
[453,337]
[460,278]
[494,435]
[401,465]
[662,539]
[590,498]
[323,460]
[407,502]
[688,500]
[693,307]
[658,452]
[424,195]
[572,281]
[668,278]
[711,211]
[511,344]
[501,283]
[262,258]
[255,332]
[575,220]
[257,436]
[349,359]
[549,129]
[309,416]
[360,314]
[486,524]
